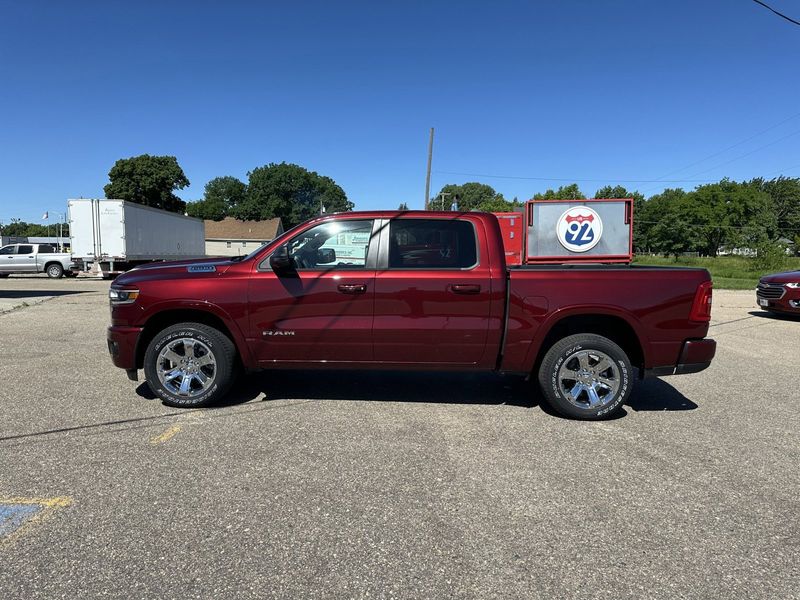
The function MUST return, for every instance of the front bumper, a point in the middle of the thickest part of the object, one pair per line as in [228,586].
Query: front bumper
[122,345]
[695,356]
[788,303]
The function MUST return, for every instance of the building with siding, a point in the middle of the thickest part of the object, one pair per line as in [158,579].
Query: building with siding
[231,237]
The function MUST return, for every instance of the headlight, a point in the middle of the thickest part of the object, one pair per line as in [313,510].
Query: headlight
[794,285]
[117,296]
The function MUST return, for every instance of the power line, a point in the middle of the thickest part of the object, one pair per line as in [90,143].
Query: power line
[780,14]
[727,162]
[574,180]
[783,171]
[748,153]
[731,147]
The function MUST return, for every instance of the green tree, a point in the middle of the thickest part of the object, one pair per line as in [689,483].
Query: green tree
[23,229]
[222,195]
[469,196]
[661,209]
[731,214]
[403,206]
[290,192]
[565,192]
[148,180]
[784,193]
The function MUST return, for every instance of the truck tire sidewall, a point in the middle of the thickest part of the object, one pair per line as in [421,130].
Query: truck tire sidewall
[54,270]
[560,351]
[219,344]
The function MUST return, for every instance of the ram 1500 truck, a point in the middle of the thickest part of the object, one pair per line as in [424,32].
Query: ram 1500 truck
[34,258]
[408,290]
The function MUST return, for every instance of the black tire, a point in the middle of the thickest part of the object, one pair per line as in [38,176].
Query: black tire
[54,270]
[582,356]
[207,340]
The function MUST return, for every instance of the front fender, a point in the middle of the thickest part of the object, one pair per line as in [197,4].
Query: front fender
[153,310]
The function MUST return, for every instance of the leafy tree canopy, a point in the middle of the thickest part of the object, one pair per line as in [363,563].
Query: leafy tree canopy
[290,192]
[565,192]
[784,192]
[148,180]
[469,196]
[222,195]
[23,229]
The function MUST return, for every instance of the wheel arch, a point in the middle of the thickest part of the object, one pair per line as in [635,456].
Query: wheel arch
[162,319]
[612,325]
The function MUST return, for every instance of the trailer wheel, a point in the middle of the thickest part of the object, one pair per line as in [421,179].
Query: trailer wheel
[55,270]
[586,376]
[190,365]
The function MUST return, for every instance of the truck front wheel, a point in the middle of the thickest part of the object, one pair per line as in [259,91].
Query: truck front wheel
[190,365]
[586,376]
[55,270]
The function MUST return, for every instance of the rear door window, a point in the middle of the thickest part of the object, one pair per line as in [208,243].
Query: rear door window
[25,250]
[432,244]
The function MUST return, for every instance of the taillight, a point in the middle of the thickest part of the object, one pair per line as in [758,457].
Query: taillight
[701,307]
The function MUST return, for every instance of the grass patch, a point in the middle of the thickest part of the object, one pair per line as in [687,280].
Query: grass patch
[728,272]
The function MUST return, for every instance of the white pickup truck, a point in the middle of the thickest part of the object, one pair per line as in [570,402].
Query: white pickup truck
[34,258]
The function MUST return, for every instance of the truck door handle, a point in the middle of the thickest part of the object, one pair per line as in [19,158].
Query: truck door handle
[465,288]
[352,288]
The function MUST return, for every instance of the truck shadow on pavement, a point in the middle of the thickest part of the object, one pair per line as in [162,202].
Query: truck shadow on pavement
[774,315]
[39,293]
[439,388]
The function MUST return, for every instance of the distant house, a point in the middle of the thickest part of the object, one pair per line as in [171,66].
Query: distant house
[231,237]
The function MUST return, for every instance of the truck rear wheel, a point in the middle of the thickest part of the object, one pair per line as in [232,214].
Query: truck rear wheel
[586,376]
[54,270]
[190,365]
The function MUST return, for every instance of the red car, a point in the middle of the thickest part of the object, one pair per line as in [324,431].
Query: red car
[410,290]
[780,293]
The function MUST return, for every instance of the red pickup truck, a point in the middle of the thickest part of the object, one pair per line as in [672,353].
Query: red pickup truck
[408,290]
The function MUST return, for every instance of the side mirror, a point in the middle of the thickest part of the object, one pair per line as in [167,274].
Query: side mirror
[326,256]
[280,261]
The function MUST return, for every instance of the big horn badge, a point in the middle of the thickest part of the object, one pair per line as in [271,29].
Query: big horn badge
[579,229]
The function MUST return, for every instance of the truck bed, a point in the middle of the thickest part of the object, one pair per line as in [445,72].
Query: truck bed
[550,300]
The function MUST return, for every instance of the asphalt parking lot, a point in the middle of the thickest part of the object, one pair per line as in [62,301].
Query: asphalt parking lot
[352,485]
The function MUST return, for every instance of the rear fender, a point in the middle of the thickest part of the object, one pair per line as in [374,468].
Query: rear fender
[536,349]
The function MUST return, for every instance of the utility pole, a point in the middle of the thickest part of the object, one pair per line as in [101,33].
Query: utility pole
[428,176]
[61,218]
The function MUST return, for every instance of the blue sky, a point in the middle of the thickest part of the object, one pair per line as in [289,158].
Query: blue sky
[606,90]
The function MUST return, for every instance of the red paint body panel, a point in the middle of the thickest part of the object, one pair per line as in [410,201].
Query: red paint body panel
[484,317]
[781,298]
[328,325]
[654,302]
[512,228]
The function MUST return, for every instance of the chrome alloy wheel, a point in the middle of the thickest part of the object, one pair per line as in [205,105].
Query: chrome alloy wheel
[186,367]
[588,378]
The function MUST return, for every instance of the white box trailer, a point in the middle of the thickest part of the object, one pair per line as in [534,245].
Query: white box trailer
[114,235]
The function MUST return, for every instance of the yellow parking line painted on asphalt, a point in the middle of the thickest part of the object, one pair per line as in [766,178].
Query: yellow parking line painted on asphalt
[167,435]
[48,506]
